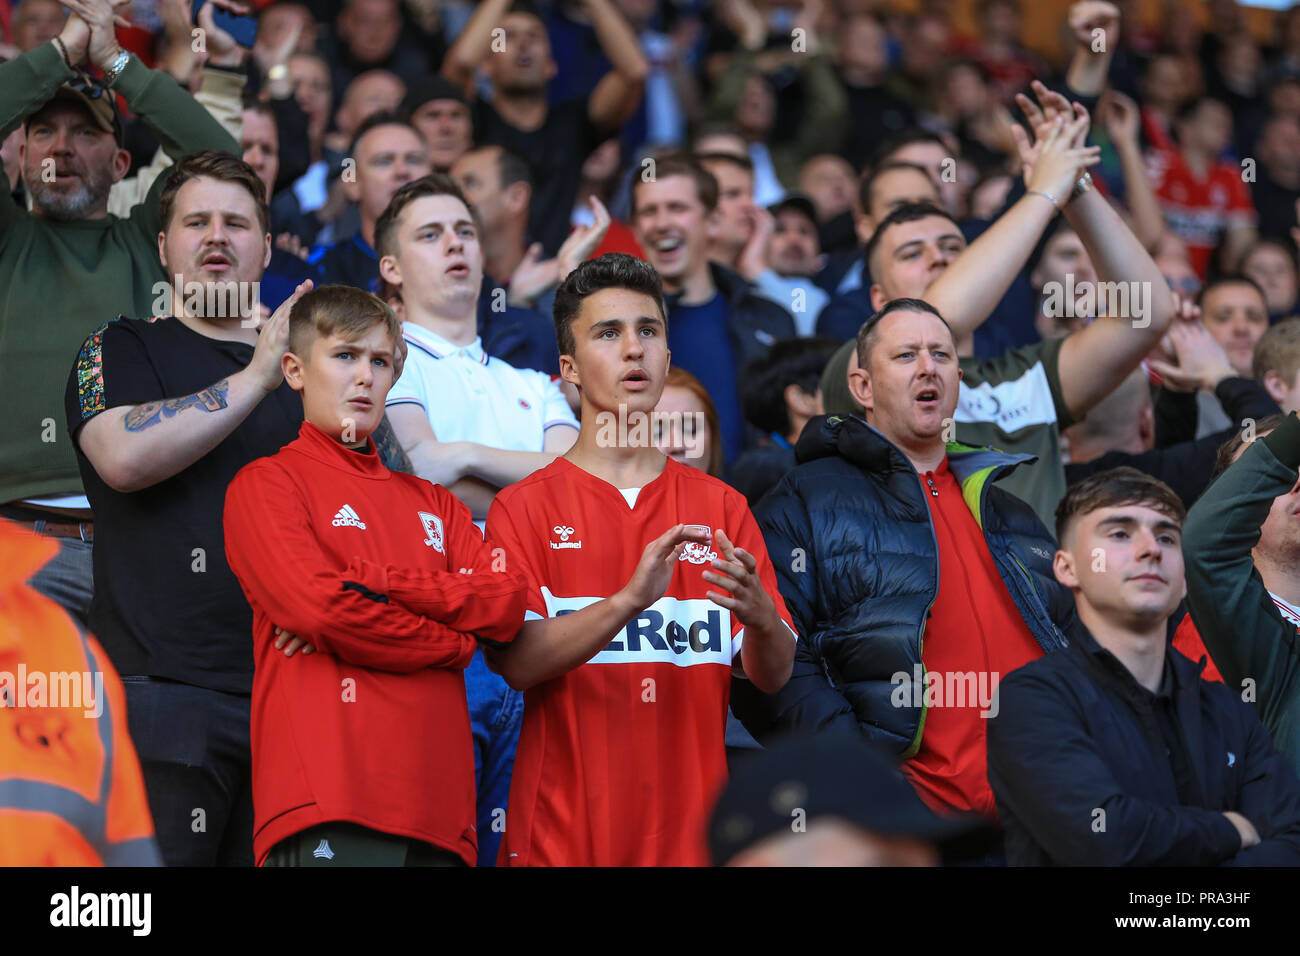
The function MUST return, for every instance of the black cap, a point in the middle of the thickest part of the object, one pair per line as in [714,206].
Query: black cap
[833,775]
[431,86]
[793,200]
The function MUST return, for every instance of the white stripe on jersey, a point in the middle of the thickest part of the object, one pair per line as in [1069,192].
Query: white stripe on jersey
[677,631]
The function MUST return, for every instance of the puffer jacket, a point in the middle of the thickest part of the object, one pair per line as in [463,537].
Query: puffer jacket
[850,535]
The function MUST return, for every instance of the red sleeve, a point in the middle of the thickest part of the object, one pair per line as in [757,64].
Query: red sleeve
[279,563]
[1239,202]
[1187,641]
[502,533]
[480,597]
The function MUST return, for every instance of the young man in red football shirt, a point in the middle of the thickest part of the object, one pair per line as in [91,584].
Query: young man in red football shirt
[361,751]
[629,648]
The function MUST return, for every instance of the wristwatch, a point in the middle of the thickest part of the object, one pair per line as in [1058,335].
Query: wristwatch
[277,73]
[1081,186]
[119,64]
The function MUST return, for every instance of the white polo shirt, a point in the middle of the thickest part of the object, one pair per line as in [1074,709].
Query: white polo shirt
[470,396]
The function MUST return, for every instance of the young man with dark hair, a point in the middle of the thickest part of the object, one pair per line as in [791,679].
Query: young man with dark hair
[384,583]
[1242,547]
[611,630]
[1114,752]
[780,393]
[163,412]
[720,322]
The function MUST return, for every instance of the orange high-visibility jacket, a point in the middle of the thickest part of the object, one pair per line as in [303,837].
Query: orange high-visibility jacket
[71,793]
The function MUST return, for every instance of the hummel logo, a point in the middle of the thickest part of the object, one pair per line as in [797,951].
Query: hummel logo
[323,852]
[347,518]
[564,531]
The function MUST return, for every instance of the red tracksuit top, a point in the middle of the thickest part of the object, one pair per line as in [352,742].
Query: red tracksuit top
[388,577]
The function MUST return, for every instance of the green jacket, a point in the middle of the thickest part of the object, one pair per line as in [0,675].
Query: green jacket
[1236,616]
[61,280]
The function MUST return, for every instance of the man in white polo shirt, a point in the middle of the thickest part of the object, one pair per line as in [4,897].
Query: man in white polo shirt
[469,422]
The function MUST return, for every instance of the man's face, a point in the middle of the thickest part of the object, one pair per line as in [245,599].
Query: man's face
[214,235]
[864,51]
[344,383]
[479,175]
[525,66]
[735,206]
[446,127]
[311,88]
[939,163]
[388,157]
[1065,257]
[84,159]
[370,29]
[1279,146]
[439,262]
[620,354]
[1236,316]
[829,182]
[899,187]
[377,91]
[672,225]
[260,141]
[1164,82]
[1125,563]
[911,255]
[1275,273]
[37,22]
[794,249]
[909,387]
[756,111]
[1209,129]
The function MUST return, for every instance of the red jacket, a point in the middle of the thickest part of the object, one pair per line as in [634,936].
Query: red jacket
[388,577]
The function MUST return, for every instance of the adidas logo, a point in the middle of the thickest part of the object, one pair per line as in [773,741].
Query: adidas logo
[347,518]
[323,852]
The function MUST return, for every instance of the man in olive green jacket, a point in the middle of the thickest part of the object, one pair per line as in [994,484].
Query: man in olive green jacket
[1241,547]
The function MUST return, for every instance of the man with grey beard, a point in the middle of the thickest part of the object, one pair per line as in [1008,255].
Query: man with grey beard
[67,265]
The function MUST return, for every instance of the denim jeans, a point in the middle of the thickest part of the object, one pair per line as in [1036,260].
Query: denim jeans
[69,578]
[496,712]
[194,752]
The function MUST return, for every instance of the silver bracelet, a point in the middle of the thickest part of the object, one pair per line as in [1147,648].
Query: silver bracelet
[119,64]
[1048,196]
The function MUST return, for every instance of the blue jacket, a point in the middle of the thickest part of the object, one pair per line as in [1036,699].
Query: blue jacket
[1078,784]
[851,538]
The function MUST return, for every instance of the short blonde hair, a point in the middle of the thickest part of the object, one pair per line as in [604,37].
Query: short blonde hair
[345,311]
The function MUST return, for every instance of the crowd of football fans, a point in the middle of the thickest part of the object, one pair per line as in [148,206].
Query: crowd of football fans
[1001,347]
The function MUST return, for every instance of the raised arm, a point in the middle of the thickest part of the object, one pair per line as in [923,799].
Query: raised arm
[1120,116]
[1229,603]
[971,287]
[473,44]
[618,93]
[136,446]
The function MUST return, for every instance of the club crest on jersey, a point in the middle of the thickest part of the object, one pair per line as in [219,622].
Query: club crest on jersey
[563,531]
[432,530]
[697,553]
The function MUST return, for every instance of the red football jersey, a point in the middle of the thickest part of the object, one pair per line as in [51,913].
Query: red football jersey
[1198,211]
[620,759]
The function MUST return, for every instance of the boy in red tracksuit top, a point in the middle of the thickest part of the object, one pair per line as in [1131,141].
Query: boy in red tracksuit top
[361,751]
[640,606]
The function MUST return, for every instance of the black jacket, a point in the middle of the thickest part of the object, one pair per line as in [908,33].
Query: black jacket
[755,322]
[851,538]
[1077,783]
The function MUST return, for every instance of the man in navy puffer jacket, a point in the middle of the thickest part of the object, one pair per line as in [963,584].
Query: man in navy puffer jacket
[914,581]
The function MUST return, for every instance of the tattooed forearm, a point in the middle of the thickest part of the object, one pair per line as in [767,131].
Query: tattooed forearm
[390,450]
[211,399]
